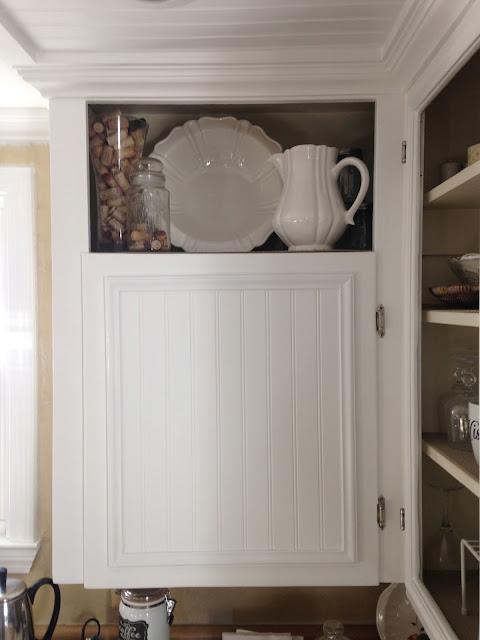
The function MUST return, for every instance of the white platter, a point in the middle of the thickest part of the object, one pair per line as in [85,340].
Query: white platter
[223,193]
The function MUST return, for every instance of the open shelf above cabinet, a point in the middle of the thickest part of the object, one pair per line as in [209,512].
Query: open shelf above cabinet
[461,191]
[454,317]
[459,463]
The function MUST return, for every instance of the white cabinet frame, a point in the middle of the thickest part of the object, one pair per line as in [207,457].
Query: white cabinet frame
[454,51]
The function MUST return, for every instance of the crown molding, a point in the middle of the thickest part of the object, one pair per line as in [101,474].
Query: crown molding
[15,46]
[253,82]
[24,126]
[454,50]
[414,48]
[403,32]
[275,55]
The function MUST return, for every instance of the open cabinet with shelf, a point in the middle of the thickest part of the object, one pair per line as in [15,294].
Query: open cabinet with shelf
[449,473]
[221,169]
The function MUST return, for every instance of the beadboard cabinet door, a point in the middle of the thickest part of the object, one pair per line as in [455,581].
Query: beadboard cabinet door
[230,420]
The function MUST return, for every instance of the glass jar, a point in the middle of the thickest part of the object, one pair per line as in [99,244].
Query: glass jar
[333,630]
[454,403]
[148,208]
[116,141]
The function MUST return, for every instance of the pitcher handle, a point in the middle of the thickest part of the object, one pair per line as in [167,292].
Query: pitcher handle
[365,181]
[56,605]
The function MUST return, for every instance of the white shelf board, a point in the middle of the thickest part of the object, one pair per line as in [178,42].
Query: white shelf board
[461,191]
[456,317]
[459,463]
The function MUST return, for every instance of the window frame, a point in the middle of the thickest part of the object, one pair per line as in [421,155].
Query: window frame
[19,538]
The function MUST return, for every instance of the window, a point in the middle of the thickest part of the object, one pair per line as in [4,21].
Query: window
[18,370]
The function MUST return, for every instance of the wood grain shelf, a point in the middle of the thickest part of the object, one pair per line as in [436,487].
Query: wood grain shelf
[459,463]
[455,317]
[461,191]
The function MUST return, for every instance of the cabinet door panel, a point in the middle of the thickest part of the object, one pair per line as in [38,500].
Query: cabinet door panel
[232,435]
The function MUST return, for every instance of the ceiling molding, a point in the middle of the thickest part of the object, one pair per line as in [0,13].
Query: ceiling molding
[451,54]
[15,46]
[403,31]
[275,56]
[417,45]
[208,82]
[23,126]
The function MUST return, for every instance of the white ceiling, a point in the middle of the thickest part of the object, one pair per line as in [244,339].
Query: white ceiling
[53,31]
[139,25]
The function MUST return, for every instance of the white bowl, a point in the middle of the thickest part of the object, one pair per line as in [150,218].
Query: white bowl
[223,192]
[466,268]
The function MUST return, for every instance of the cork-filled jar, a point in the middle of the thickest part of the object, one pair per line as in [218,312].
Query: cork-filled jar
[148,207]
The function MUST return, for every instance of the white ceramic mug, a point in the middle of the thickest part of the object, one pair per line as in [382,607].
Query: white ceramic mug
[473,426]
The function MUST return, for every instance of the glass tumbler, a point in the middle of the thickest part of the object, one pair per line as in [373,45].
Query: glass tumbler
[148,208]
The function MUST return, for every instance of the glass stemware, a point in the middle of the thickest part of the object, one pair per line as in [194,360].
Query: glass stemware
[442,550]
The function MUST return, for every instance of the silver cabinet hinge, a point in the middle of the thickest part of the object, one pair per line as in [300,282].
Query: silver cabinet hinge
[380,320]
[381,513]
[402,519]
[404,151]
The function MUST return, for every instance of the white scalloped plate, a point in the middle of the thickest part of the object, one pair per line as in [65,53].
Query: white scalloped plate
[223,193]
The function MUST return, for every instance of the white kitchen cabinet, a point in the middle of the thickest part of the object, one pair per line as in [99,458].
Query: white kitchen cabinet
[89,533]
[323,530]
[450,227]
[233,400]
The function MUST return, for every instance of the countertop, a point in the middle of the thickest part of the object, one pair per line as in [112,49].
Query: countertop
[214,632]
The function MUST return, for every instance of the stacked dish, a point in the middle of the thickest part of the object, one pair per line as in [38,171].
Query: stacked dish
[464,295]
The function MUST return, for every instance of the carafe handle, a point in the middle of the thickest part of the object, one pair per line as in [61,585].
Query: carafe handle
[56,605]
[365,181]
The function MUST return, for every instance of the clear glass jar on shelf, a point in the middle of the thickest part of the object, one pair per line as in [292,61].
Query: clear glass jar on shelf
[454,403]
[116,141]
[148,208]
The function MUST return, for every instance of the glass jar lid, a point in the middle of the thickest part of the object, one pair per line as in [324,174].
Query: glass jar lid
[333,629]
[143,597]
[148,170]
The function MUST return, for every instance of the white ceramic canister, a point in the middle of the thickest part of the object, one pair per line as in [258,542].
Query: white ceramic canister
[473,154]
[145,614]
[473,413]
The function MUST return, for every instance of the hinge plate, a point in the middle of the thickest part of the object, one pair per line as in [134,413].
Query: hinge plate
[380,320]
[404,151]
[381,513]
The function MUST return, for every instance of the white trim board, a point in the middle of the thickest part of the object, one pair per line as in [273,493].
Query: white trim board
[23,126]
[18,370]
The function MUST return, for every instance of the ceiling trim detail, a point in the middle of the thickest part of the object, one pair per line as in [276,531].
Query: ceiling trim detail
[255,75]
[401,36]
[20,126]
[244,82]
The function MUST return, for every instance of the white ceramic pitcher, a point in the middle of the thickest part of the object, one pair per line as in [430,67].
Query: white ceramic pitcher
[311,215]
